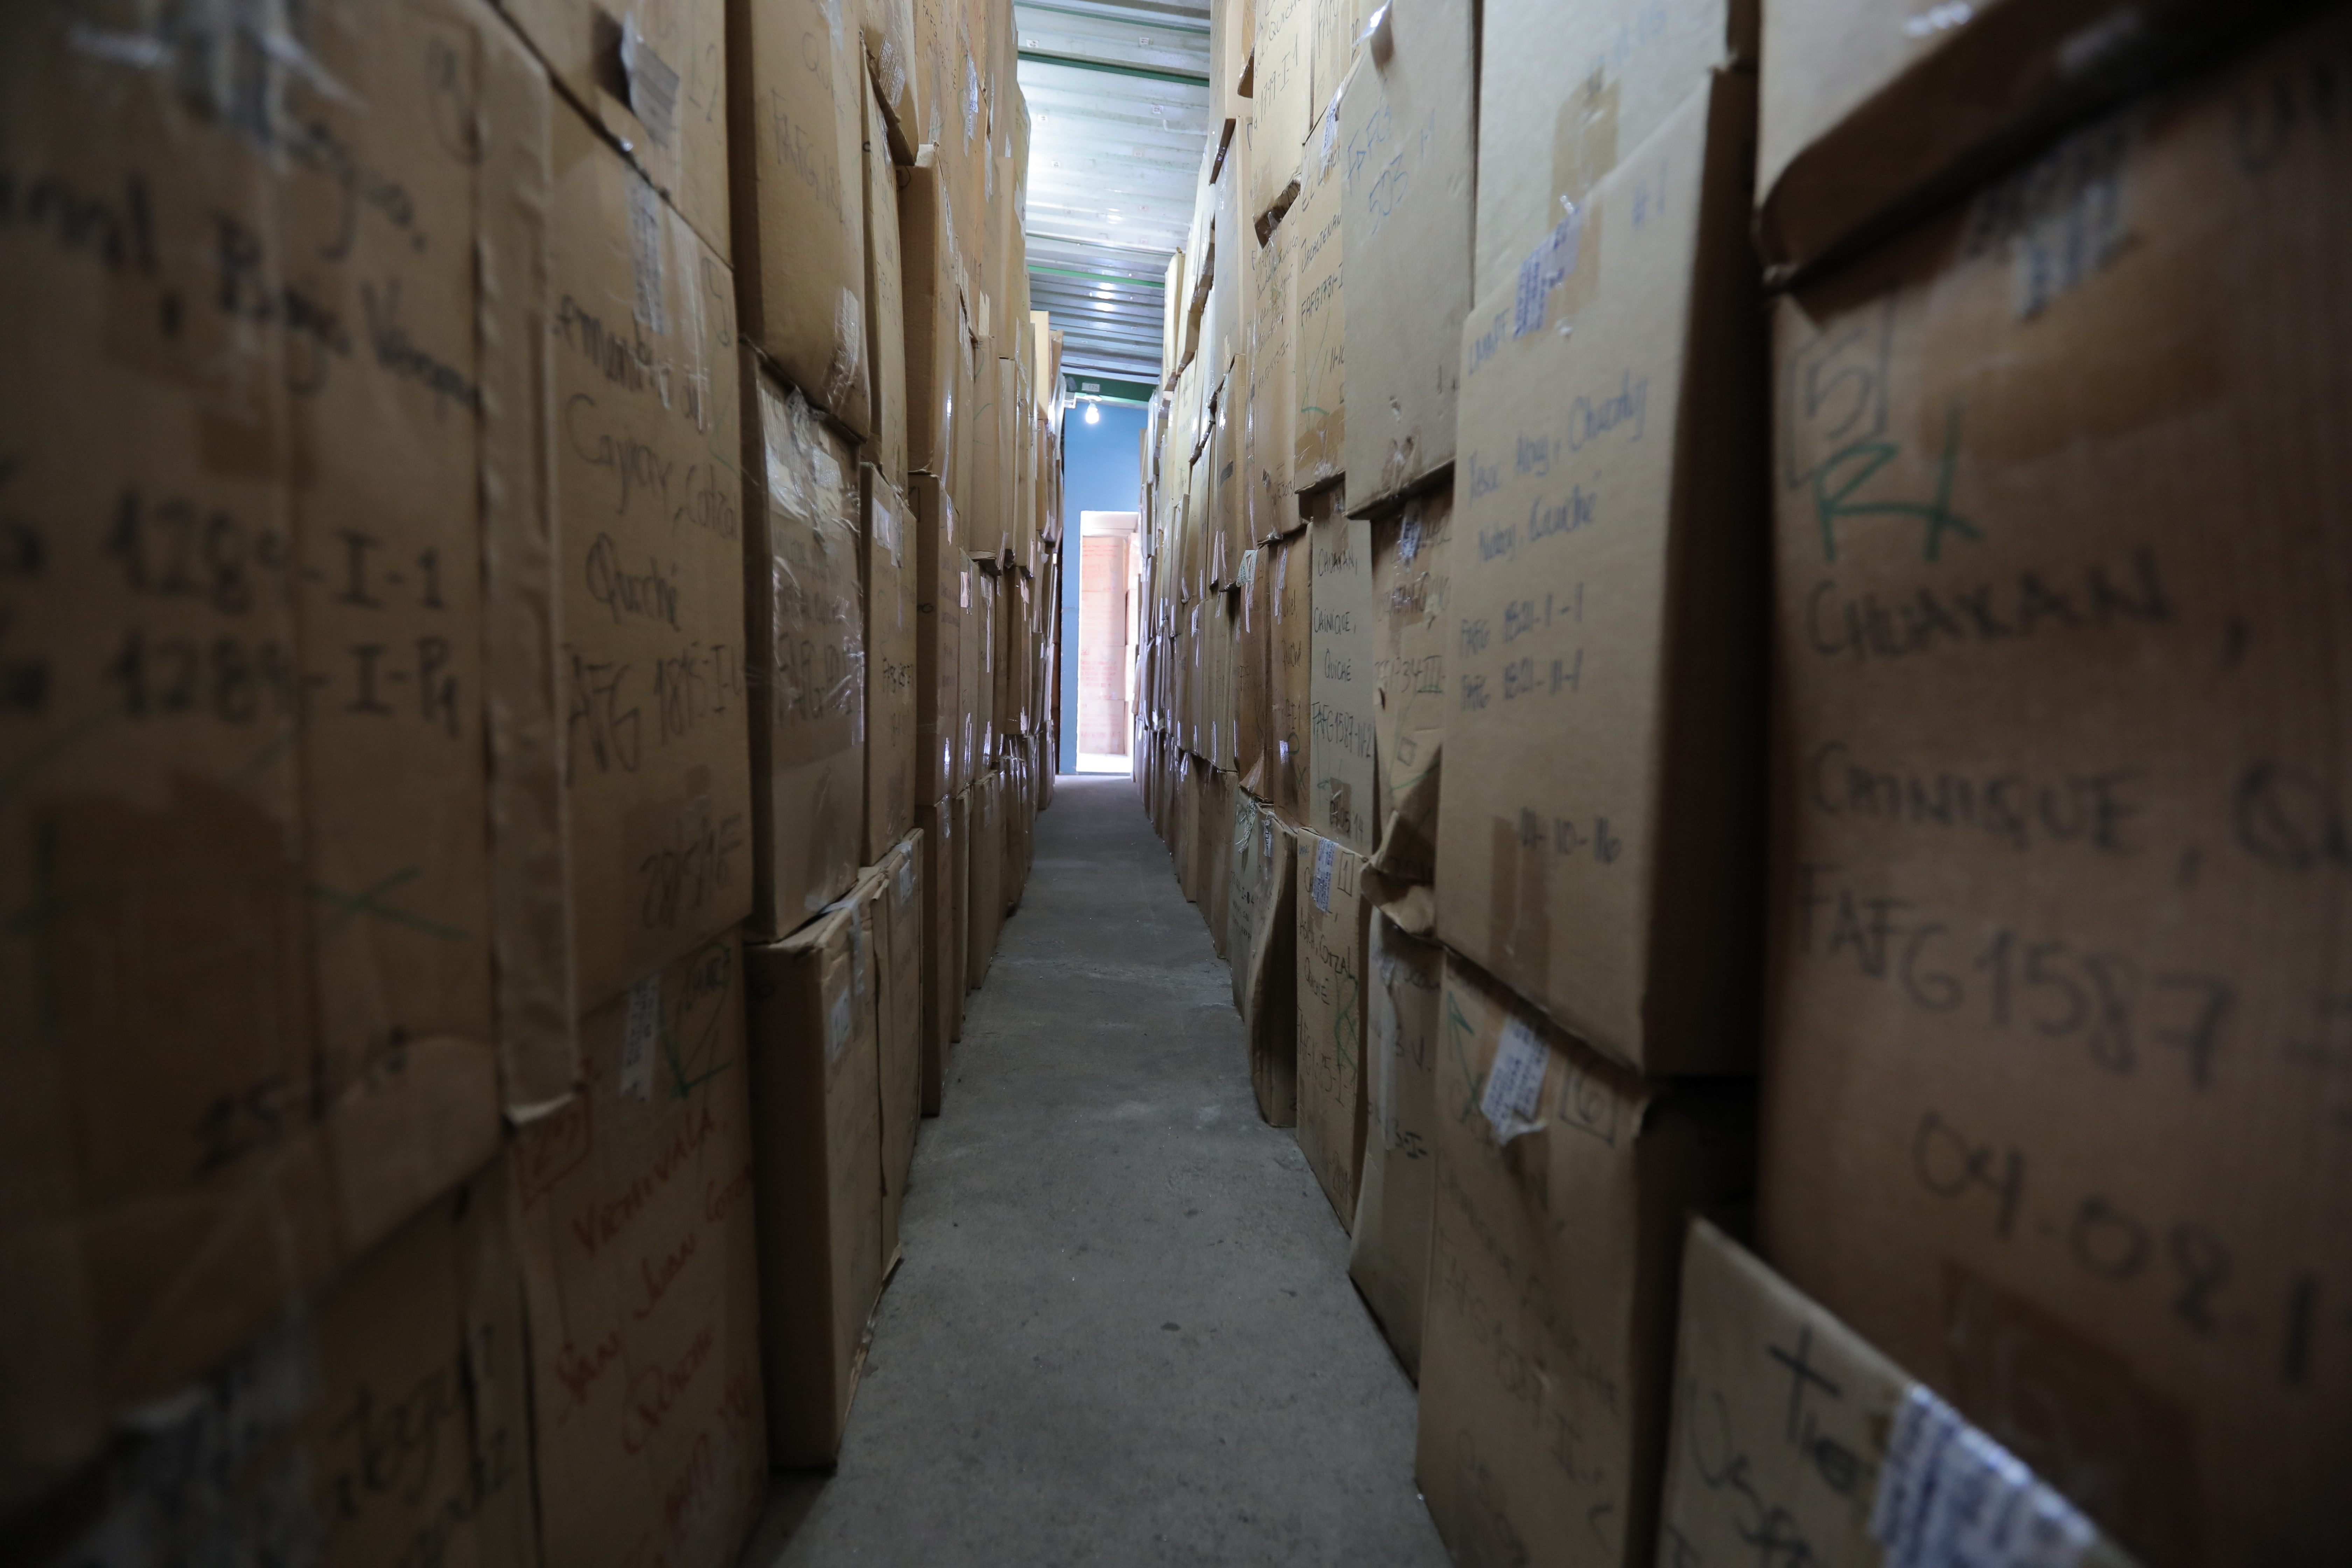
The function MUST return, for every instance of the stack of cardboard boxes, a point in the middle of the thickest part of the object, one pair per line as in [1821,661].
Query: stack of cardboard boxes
[1840,502]
[488,793]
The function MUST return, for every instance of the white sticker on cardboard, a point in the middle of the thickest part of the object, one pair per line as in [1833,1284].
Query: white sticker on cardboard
[1326,855]
[639,1035]
[1951,1497]
[1515,1083]
[838,1026]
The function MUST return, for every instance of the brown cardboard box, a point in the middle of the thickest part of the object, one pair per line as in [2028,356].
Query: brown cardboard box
[795,97]
[817,1108]
[1270,405]
[806,657]
[927,248]
[1185,825]
[649,445]
[1281,105]
[265,976]
[1407,147]
[893,754]
[1332,924]
[1563,93]
[1262,932]
[887,28]
[890,905]
[648,72]
[1596,839]
[1217,809]
[985,903]
[2060,894]
[1870,118]
[638,1264]
[1547,1332]
[940,849]
[959,950]
[886,304]
[1253,670]
[387,1422]
[1790,1428]
[980,673]
[1337,43]
[1387,1253]
[1319,319]
[972,741]
[1290,692]
[1343,692]
[940,568]
[1411,626]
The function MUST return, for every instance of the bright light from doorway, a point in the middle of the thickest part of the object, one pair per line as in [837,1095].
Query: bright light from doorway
[1093,414]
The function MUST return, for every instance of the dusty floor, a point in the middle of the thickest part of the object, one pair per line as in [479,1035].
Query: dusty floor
[1123,1332]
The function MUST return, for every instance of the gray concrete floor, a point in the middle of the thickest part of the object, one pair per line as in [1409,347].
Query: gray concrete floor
[1123,1332]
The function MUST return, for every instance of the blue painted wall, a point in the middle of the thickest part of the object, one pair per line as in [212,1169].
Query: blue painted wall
[1101,471]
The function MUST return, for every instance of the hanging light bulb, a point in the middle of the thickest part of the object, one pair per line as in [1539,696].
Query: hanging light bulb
[1094,412]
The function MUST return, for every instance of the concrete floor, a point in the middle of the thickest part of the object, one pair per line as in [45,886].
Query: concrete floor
[1123,1332]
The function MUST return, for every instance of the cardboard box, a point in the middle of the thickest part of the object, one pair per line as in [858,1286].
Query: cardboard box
[1871,119]
[890,902]
[1561,1189]
[935,341]
[1387,1252]
[1270,404]
[796,92]
[985,903]
[940,568]
[1561,94]
[1261,933]
[388,1421]
[268,975]
[959,950]
[886,304]
[649,445]
[1344,694]
[940,850]
[638,1262]
[1336,43]
[1412,624]
[1332,925]
[649,76]
[979,669]
[1290,691]
[1408,133]
[2058,891]
[1790,1428]
[894,750]
[1597,841]
[1320,318]
[804,540]
[816,1108]
[1218,812]
[1281,105]
[1253,670]
[887,28]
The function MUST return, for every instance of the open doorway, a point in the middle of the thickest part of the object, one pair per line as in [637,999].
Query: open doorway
[1107,608]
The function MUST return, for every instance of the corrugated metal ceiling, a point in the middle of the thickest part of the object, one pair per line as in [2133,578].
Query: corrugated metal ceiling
[1119,120]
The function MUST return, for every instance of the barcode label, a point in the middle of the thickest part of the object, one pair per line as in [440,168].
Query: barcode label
[1325,854]
[639,1035]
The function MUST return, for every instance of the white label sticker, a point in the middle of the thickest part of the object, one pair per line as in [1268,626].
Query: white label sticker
[837,1026]
[1325,855]
[646,256]
[639,1035]
[1515,1085]
[1951,1497]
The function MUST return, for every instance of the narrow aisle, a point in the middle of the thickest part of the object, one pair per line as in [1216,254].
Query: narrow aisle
[1123,1332]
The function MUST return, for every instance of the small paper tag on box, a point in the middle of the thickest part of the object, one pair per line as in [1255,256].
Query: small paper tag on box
[639,1035]
[1515,1083]
[1951,1497]
[1325,855]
